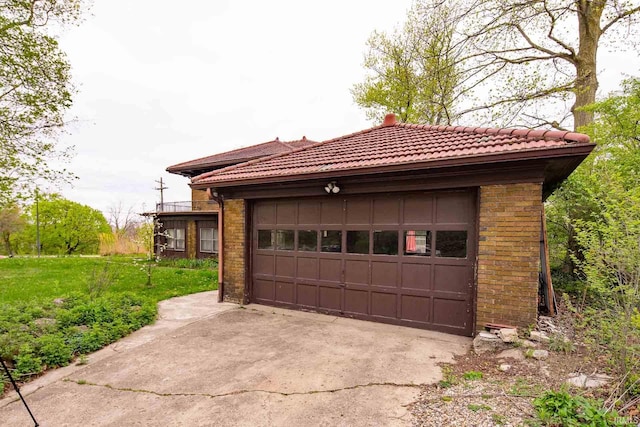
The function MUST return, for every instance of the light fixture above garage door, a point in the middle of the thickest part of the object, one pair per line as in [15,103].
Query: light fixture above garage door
[332,188]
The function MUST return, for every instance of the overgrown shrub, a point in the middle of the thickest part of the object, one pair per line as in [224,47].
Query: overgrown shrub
[79,325]
[53,350]
[27,364]
[559,408]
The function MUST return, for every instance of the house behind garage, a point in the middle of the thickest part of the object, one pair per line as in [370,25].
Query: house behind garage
[189,229]
[435,227]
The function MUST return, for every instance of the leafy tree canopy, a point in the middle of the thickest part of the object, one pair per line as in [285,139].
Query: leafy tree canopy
[35,92]
[529,63]
[66,227]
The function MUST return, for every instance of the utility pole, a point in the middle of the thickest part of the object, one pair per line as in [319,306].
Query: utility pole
[37,224]
[161,188]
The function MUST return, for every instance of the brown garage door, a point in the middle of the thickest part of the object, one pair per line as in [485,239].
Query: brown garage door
[405,259]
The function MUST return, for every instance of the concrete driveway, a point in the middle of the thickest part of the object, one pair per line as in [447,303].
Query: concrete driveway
[205,364]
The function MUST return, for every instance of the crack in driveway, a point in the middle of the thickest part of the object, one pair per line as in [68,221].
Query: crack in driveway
[237,392]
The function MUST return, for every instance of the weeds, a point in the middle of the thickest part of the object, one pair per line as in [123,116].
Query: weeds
[560,408]
[472,375]
[558,343]
[100,280]
[449,377]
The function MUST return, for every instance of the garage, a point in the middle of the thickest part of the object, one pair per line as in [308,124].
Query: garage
[401,258]
[434,227]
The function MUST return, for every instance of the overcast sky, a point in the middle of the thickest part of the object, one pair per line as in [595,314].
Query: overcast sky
[163,82]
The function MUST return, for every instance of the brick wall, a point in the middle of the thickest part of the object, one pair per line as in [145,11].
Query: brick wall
[234,250]
[508,254]
[198,194]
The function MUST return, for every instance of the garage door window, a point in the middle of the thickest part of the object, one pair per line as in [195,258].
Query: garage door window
[285,240]
[331,241]
[417,242]
[385,242]
[265,239]
[308,240]
[451,244]
[358,242]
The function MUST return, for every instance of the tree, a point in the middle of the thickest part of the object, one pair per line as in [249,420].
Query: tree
[609,238]
[546,50]
[11,222]
[615,162]
[35,92]
[413,70]
[67,227]
[532,62]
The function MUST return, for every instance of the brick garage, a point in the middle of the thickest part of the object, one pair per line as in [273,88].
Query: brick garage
[424,226]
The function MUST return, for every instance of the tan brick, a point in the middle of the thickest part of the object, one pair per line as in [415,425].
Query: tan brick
[508,254]
[234,250]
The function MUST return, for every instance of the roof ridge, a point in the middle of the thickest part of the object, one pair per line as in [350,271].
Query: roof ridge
[275,156]
[284,143]
[252,162]
[224,152]
[526,133]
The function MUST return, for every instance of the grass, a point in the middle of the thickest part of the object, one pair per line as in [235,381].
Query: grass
[42,279]
[100,301]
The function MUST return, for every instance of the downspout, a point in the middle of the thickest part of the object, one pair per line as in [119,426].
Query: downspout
[213,195]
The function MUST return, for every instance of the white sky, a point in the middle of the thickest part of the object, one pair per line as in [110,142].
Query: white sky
[163,82]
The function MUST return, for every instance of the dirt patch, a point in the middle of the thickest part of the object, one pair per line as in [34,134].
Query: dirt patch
[494,390]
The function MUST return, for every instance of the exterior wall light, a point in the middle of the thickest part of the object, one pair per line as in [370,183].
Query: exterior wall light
[332,188]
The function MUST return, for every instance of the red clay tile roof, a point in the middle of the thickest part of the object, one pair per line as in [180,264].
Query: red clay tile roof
[240,155]
[394,145]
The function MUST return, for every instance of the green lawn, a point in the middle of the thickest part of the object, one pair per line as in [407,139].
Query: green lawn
[38,333]
[41,279]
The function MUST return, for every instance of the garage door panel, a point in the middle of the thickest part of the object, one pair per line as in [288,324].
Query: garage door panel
[358,212]
[449,312]
[330,298]
[265,213]
[451,278]
[307,268]
[285,266]
[286,213]
[453,208]
[384,304]
[307,295]
[386,211]
[415,308]
[331,212]
[308,213]
[285,292]
[384,274]
[356,271]
[264,289]
[418,210]
[263,264]
[416,276]
[356,301]
[331,269]
[370,277]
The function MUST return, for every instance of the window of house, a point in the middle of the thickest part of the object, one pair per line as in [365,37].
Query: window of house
[175,239]
[331,241]
[385,242]
[417,242]
[285,240]
[266,239]
[358,242]
[208,240]
[451,244]
[307,240]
